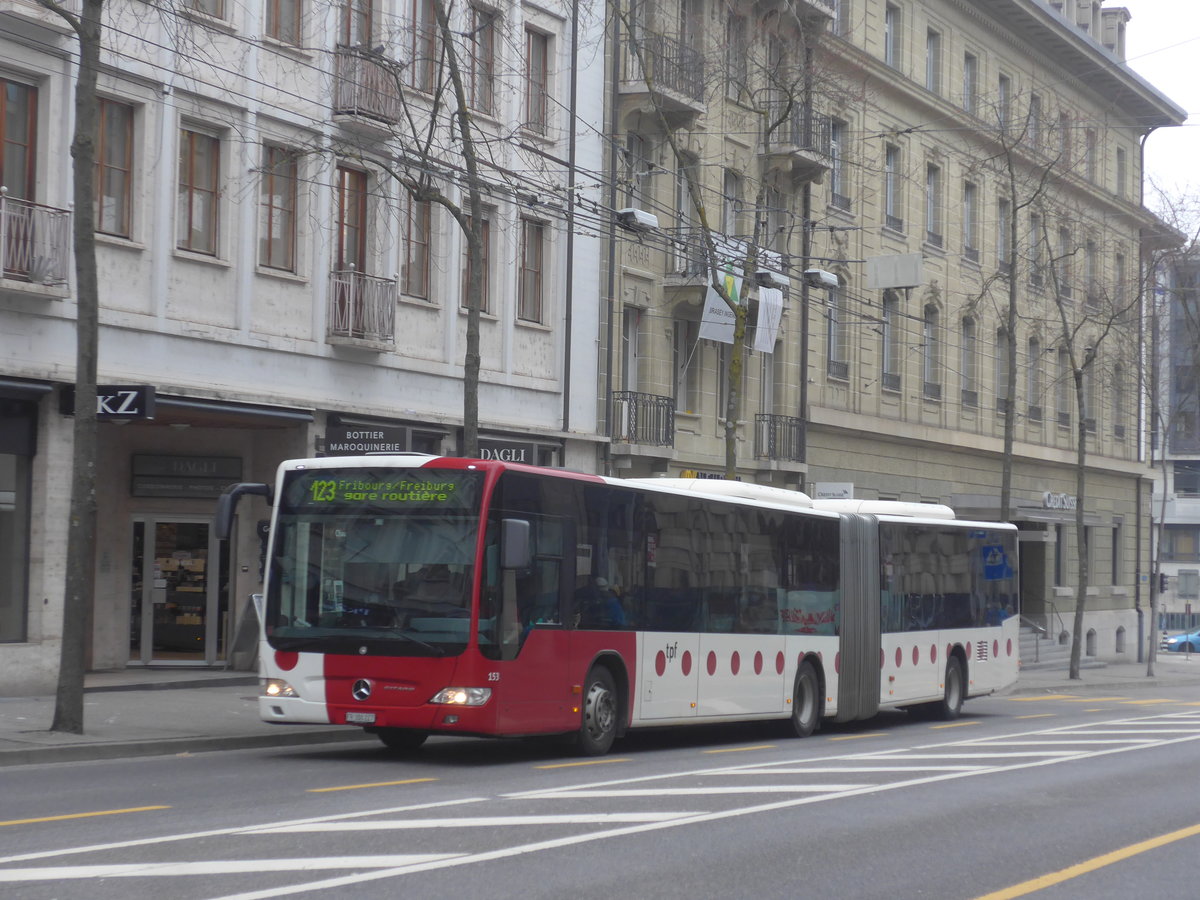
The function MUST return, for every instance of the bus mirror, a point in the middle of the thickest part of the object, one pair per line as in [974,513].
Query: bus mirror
[227,505]
[514,544]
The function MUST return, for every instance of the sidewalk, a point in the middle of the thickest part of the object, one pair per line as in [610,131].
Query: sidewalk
[154,712]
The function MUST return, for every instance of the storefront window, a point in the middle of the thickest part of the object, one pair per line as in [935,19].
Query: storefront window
[14,544]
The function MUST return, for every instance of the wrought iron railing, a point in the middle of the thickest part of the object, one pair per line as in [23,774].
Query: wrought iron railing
[802,129]
[665,64]
[35,241]
[639,418]
[365,86]
[779,437]
[362,306]
[688,257]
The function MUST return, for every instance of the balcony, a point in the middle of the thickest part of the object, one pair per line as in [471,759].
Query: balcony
[35,247]
[660,72]
[645,419]
[687,257]
[362,310]
[365,88]
[798,140]
[779,438]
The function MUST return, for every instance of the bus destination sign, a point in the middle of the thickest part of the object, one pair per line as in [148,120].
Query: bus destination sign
[382,488]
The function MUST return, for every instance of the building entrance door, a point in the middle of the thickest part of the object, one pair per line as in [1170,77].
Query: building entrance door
[179,600]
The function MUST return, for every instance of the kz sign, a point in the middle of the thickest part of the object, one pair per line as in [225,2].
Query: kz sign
[114,401]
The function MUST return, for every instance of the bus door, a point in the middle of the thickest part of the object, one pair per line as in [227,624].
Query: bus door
[858,685]
[530,605]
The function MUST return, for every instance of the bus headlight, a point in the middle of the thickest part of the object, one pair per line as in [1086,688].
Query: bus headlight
[462,696]
[277,687]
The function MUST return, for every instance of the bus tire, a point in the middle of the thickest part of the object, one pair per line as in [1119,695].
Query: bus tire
[806,701]
[598,729]
[401,740]
[951,703]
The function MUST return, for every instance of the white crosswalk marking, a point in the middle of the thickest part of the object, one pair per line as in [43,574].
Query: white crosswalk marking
[219,867]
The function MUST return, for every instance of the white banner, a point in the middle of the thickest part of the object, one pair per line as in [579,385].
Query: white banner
[719,319]
[770,311]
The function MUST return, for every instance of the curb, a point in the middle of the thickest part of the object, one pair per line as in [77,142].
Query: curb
[48,755]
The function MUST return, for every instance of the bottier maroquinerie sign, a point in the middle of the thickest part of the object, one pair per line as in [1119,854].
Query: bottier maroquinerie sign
[359,440]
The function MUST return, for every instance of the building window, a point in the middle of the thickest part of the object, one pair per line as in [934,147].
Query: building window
[1186,478]
[356,23]
[537,80]
[1091,275]
[351,250]
[1060,555]
[483,60]
[685,353]
[731,202]
[277,209]
[970,387]
[1121,174]
[737,56]
[18,147]
[839,188]
[841,18]
[1002,371]
[970,88]
[933,206]
[837,335]
[16,458]
[198,213]
[1089,154]
[1033,128]
[892,35]
[1034,375]
[1181,543]
[1062,262]
[533,254]
[933,61]
[1118,404]
[1115,554]
[970,222]
[421,72]
[890,341]
[1004,102]
[1187,584]
[931,353]
[1004,255]
[1063,385]
[637,172]
[284,21]
[1037,262]
[893,192]
[1064,138]
[414,281]
[114,168]
[485,301]
[214,8]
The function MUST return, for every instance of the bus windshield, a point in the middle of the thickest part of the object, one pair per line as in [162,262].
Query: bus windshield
[381,559]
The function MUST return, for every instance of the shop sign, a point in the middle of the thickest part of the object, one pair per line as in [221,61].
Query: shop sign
[114,401]
[359,440]
[833,490]
[189,477]
[1052,500]
[508,451]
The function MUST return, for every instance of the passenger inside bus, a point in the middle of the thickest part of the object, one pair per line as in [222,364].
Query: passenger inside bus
[599,606]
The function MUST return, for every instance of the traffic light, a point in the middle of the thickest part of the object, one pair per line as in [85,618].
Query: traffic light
[1162,582]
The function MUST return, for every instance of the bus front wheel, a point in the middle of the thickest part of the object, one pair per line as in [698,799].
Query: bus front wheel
[806,701]
[600,710]
[400,740]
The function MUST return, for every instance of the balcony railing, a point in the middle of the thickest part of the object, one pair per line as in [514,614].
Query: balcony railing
[779,437]
[35,241]
[688,256]
[643,419]
[803,130]
[665,64]
[365,86]
[362,307]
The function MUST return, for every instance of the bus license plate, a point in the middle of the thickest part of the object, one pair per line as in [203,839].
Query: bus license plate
[360,718]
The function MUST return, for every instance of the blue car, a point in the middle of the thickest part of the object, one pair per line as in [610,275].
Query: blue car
[1180,643]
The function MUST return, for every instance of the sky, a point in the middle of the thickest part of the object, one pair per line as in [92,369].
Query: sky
[1162,44]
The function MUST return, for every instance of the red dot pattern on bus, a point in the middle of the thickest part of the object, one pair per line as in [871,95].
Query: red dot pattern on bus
[758,662]
[286,659]
[735,662]
[779,663]
[687,662]
[660,663]
[712,663]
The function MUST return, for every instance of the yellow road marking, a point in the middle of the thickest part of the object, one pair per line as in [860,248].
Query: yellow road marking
[954,725]
[1038,716]
[1094,699]
[855,737]
[585,762]
[1144,702]
[86,815]
[373,784]
[742,749]
[1042,697]
[1091,865]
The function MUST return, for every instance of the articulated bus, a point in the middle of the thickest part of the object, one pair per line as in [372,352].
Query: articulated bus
[413,595]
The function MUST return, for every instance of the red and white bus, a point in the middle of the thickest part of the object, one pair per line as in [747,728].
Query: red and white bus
[413,595]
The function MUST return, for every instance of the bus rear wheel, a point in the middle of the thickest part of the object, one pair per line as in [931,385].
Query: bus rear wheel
[598,729]
[806,701]
[951,703]
[401,740]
